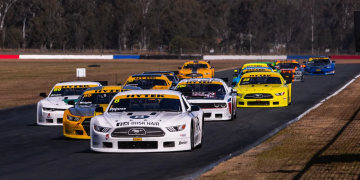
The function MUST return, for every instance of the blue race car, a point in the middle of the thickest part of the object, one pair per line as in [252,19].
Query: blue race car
[320,65]
[237,77]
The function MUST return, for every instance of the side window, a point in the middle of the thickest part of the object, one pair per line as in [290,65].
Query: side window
[185,104]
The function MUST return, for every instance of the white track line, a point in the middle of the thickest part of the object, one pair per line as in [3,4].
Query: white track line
[264,138]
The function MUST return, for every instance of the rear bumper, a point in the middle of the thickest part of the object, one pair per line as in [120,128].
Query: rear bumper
[218,114]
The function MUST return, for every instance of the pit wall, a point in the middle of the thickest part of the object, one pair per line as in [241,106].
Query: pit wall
[192,57]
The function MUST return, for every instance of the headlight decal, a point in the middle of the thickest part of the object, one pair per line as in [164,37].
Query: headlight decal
[176,128]
[101,129]
[73,118]
[280,94]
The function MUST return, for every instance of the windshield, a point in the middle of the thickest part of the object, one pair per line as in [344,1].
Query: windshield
[202,91]
[98,98]
[146,83]
[260,80]
[170,77]
[58,92]
[288,65]
[321,61]
[145,104]
[191,66]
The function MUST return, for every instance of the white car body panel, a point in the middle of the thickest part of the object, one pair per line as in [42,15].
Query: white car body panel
[213,113]
[126,122]
[57,105]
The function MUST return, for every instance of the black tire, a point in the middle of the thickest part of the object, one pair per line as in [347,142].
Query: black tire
[192,137]
[202,134]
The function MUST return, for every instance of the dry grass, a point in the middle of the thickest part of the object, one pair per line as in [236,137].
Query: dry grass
[22,80]
[325,144]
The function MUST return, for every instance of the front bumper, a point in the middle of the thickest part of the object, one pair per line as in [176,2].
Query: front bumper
[315,72]
[77,129]
[100,143]
[50,118]
[276,101]
[218,114]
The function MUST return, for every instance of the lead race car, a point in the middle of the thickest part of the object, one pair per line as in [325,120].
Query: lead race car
[147,121]
[50,110]
[237,77]
[76,120]
[150,81]
[196,69]
[212,95]
[321,65]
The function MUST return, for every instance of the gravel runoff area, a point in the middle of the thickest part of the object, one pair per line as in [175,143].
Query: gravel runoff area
[21,81]
[324,144]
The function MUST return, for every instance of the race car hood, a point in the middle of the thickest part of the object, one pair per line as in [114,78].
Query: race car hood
[142,118]
[57,101]
[83,110]
[259,88]
[193,70]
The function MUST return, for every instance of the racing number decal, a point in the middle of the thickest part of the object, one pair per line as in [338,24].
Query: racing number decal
[246,79]
[87,95]
[116,100]
[57,89]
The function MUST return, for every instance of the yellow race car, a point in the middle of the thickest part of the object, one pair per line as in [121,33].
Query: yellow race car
[263,89]
[76,120]
[150,81]
[196,69]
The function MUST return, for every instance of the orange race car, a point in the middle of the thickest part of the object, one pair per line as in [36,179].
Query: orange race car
[196,69]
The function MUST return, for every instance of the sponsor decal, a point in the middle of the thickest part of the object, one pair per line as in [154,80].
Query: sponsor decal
[204,94]
[49,115]
[182,135]
[137,139]
[107,136]
[139,117]
[284,98]
[117,109]
[182,142]
[138,124]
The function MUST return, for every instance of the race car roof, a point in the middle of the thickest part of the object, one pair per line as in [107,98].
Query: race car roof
[78,83]
[112,87]
[167,92]
[198,62]
[155,72]
[147,75]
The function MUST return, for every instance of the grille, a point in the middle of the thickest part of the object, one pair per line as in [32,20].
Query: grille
[59,120]
[318,72]
[86,125]
[258,103]
[262,96]
[138,132]
[207,115]
[194,75]
[137,144]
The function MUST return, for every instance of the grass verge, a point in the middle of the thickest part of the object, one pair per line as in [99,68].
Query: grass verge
[22,80]
[324,144]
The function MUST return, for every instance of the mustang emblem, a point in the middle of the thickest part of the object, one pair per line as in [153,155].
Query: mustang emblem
[258,96]
[137,131]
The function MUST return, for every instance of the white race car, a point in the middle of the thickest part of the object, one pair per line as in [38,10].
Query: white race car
[215,98]
[51,109]
[147,121]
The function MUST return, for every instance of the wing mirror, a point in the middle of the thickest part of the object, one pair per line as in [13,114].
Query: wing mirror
[174,84]
[212,67]
[71,102]
[99,109]
[195,108]
[234,91]
[233,83]
[333,61]
[42,94]
[179,67]
[288,81]
[304,62]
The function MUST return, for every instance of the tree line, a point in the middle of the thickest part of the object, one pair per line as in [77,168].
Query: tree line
[239,25]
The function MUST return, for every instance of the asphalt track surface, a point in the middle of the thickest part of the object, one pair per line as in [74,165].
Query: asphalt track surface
[28,151]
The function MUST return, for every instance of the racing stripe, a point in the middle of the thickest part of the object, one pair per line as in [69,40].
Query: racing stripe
[194,70]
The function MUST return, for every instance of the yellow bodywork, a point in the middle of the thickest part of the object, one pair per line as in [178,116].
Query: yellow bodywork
[263,95]
[70,128]
[168,85]
[206,72]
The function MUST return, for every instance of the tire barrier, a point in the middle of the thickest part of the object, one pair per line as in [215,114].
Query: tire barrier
[238,57]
